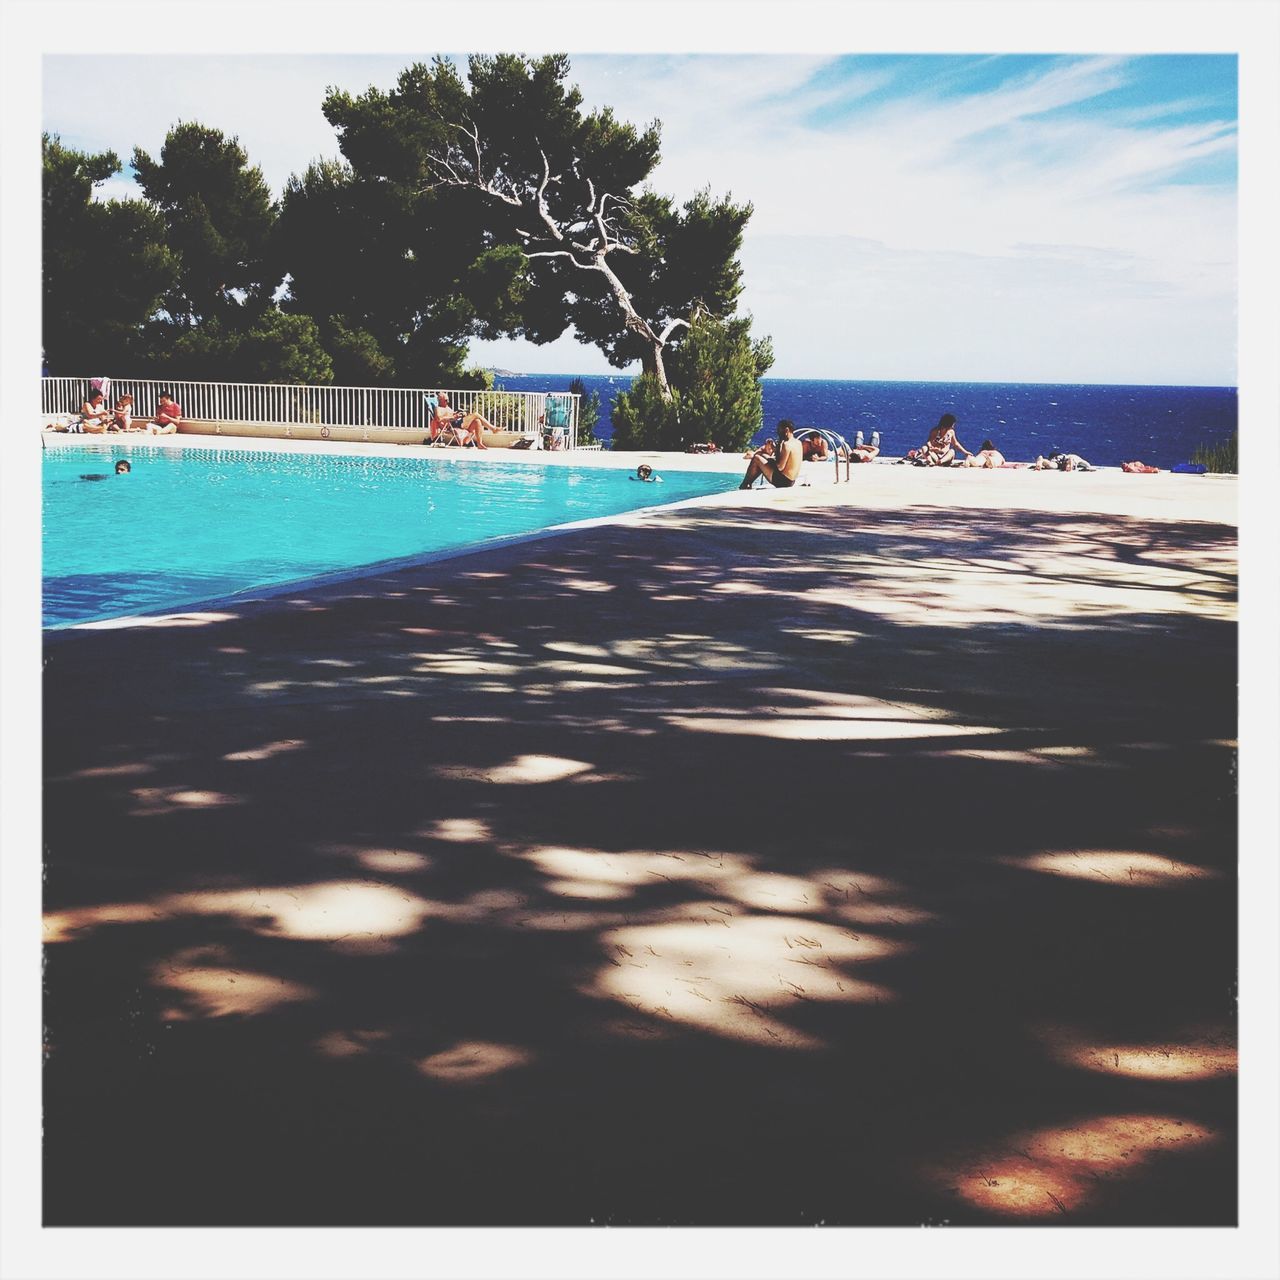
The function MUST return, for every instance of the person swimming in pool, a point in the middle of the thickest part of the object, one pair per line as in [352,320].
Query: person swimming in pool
[644,472]
[122,468]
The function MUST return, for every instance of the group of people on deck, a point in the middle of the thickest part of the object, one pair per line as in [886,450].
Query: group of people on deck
[95,418]
[779,461]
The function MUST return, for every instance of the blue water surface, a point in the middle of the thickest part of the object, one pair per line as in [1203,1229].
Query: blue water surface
[189,525]
[1108,425]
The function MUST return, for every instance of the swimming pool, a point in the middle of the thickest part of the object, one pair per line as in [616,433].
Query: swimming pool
[195,524]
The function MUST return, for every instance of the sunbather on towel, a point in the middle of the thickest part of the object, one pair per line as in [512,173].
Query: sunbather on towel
[1061,462]
[988,457]
[940,448]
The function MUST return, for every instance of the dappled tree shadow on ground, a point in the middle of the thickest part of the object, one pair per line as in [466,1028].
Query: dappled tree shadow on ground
[772,866]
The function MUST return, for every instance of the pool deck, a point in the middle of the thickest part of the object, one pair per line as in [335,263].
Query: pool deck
[860,854]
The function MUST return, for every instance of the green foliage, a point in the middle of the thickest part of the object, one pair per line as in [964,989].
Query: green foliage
[1220,458]
[427,234]
[276,348]
[105,265]
[644,419]
[718,369]
[358,360]
[715,377]
[218,214]
[685,259]
[588,411]
[464,161]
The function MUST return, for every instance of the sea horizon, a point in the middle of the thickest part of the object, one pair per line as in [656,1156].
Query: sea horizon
[1107,423]
[620,375]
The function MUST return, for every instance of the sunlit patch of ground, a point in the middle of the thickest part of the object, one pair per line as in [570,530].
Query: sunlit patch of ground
[470,1061]
[527,770]
[1134,869]
[211,988]
[157,800]
[352,914]
[1193,1058]
[266,751]
[158,620]
[1046,1174]
[387,861]
[736,976]
[458,830]
[350,1044]
[729,882]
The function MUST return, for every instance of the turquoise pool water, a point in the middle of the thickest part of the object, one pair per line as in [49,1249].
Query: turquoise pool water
[188,525]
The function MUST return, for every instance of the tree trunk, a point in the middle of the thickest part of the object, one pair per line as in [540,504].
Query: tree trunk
[651,362]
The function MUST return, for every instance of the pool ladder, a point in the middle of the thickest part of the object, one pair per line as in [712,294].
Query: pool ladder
[836,443]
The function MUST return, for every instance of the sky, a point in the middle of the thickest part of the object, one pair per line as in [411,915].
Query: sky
[1049,218]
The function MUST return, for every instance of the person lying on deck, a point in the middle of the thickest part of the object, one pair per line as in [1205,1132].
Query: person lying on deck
[461,426]
[988,456]
[1061,462]
[814,448]
[781,471]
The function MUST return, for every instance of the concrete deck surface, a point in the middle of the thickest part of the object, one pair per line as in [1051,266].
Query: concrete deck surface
[860,854]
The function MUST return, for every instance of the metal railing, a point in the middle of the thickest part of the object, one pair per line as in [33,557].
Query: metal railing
[837,447]
[526,412]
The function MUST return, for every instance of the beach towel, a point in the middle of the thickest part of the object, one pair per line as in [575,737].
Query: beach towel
[1190,469]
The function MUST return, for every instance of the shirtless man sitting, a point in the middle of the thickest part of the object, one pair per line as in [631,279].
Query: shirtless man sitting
[814,448]
[458,426]
[782,471]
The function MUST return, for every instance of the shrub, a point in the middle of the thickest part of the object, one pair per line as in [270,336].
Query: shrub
[642,419]
[1221,458]
[588,411]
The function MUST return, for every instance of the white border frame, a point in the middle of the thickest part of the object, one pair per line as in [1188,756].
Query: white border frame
[1250,29]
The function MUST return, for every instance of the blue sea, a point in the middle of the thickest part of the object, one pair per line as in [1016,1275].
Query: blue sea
[1107,425]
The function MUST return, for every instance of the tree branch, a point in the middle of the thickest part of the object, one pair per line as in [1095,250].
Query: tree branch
[671,328]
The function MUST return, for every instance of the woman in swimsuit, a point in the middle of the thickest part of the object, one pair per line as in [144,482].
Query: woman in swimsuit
[940,448]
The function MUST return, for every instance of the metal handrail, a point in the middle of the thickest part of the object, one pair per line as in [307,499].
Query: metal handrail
[837,443]
[333,406]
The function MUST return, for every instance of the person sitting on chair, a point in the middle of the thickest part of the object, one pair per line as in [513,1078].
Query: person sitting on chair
[459,425]
[783,471]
